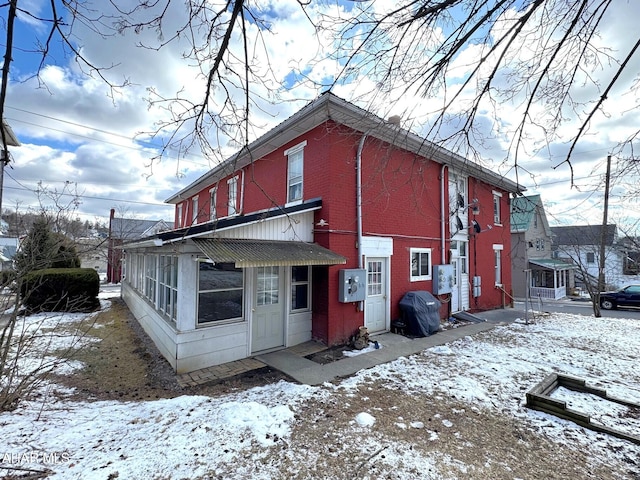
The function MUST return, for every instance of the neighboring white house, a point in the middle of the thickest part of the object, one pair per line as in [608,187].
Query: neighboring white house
[535,273]
[581,244]
[8,249]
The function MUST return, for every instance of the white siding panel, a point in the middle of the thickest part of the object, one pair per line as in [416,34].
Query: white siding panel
[299,328]
[205,347]
[293,228]
[158,329]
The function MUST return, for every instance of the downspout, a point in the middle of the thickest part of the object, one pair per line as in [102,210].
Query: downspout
[443,245]
[242,193]
[359,197]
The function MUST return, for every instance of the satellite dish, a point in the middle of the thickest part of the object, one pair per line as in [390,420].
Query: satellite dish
[476,226]
[459,223]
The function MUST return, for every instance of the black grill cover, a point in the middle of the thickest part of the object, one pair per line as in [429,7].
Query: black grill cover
[421,313]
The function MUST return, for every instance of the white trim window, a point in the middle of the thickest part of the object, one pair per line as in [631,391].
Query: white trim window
[232,200]
[300,288]
[213,197]
[497,215]
[220,293]
[194,211]
[497,263]
[295,170]
[168,283]
[150,277]
[420,266]
[179,215]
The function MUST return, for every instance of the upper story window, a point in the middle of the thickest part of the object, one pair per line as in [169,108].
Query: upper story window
[497,198]
[194,210]
[213,196]
[591,257]
[420,264]
[295,167]
[179,215]
[232,201]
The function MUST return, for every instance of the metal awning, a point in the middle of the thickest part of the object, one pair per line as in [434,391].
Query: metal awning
[264,253]
[552,264]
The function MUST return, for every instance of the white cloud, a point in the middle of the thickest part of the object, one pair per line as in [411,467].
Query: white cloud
[95,144]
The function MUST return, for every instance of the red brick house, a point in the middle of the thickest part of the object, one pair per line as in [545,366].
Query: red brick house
[123,230]
[319,227]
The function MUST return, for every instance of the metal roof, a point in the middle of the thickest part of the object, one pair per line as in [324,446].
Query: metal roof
[329,107]
[264,253]
[551,263]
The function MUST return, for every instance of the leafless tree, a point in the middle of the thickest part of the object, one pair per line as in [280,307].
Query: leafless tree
[231,56]
[537,55]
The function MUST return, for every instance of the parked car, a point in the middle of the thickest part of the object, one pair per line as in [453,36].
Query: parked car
[628,296]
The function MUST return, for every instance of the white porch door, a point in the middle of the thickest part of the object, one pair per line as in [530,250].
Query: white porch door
[455,290]
[376,311]
[460,289]
[267,329]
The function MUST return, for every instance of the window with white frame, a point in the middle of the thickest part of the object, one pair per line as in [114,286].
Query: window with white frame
[168,286]
[591,257]
[232,200]
[179,215]
[194,211]
[497,198]
[420,264]
[295,168]
[462,253]
[150,277]
[497,255]
[268,285]
[220,292]
[300,288]
[140,273]
[213,196]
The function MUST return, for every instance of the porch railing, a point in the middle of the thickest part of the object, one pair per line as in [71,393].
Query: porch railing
[552,293]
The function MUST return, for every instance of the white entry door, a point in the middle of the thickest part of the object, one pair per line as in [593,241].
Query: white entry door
[457,283]
[267,330]
[460,289]
[376,311]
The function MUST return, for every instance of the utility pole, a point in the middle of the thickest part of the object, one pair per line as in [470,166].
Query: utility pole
[603,234]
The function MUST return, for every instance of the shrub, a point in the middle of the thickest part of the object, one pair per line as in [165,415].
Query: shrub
[61,290]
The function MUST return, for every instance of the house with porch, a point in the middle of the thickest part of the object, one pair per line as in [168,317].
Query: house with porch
[535,273]
[318,227]
[582,244]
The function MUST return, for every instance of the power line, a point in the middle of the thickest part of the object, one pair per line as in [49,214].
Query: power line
[98,130]
[92,197]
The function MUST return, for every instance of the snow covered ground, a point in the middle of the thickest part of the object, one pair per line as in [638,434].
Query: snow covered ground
[260,433]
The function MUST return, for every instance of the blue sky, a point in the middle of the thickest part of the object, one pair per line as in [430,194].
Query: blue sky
[73,128]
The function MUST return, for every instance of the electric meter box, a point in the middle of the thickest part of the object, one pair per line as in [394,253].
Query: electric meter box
[352,283]
[442,279]
[477,286]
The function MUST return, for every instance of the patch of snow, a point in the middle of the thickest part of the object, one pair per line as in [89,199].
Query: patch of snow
[365,419]
[355,353]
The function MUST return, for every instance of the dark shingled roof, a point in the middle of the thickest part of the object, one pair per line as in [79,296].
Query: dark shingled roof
[583,235]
